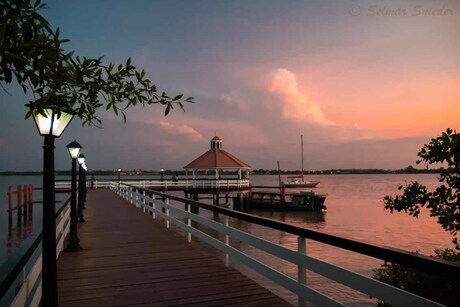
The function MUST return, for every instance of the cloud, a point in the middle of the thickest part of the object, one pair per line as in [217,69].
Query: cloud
[295,105]
[186,130]
[232,99]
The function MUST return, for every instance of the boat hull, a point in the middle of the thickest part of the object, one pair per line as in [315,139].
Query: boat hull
[303,201]
[301,184]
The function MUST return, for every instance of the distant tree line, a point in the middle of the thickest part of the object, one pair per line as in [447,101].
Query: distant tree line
[408,170]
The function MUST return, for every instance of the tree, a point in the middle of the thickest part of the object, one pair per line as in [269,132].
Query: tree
[444,202]
[31,53]
[436,288]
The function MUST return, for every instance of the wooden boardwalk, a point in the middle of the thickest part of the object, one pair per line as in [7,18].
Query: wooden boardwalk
[130,259]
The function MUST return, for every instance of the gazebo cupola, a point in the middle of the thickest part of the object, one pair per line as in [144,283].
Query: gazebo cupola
[216,143]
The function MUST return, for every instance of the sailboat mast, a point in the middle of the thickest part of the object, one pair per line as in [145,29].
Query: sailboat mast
[301,146]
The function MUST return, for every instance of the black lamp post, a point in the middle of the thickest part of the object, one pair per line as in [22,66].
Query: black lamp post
[51,122]
[161,172]
[119,171]
[81,184]
[74,243]
[85,168]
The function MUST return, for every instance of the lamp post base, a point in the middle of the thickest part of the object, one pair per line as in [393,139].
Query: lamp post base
[73,246]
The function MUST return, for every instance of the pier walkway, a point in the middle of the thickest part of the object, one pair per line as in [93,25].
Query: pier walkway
[130,259]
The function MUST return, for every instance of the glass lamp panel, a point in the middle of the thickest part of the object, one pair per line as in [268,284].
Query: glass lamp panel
[51,124]
[74,152]
[74,149]
[43,122]
[60,123]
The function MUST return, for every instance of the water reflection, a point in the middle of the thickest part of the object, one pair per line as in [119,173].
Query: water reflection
[20,226]
[316,219]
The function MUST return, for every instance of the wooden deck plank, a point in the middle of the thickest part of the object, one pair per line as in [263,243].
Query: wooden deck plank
[130,259]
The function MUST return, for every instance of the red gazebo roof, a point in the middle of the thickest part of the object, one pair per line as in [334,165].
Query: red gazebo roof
[216,158]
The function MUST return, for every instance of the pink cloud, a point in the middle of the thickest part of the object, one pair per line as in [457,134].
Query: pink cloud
[234,100]
[294,104]
[186,130]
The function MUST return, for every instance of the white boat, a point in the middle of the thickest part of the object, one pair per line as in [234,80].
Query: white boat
[299,181]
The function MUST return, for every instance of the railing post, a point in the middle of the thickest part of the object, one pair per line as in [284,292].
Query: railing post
[144,203]
[167,212]
[153,206]
[189,223]
[227,242]
[301,271]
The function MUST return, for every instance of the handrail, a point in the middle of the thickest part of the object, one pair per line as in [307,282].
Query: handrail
[420,262]
[147,200]
[15,264]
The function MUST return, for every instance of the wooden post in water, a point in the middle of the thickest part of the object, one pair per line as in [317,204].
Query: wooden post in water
[10,199]
[240,200]
[25,190]
[31,198]
[19,195]
[10,208]
[282,195]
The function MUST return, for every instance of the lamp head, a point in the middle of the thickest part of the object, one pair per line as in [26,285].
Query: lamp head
[74,149]
[81,158]
[52,121]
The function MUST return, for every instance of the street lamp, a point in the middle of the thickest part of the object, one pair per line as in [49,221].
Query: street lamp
[81,184]
[162,171]
[74,243]
[51,123]
[119,171]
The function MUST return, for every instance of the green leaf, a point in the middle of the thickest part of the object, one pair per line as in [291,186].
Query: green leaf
[168,108]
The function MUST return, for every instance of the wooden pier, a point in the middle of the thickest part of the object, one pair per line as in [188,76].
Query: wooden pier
[130,259]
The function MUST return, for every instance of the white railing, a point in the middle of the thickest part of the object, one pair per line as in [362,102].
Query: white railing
[26,288]
[299,287]
[168,184]
[62,185]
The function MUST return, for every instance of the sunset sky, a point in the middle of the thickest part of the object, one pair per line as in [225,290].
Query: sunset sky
[366,82]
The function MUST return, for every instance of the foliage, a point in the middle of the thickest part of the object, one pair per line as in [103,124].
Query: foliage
[436,288]
[32,54]
[444,201]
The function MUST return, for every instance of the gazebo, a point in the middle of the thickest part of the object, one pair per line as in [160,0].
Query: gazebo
[216,159]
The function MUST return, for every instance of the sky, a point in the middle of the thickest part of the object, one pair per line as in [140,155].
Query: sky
[366,83]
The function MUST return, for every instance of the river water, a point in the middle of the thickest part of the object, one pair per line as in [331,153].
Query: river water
[354,210]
